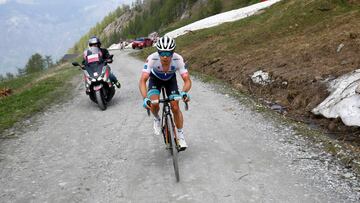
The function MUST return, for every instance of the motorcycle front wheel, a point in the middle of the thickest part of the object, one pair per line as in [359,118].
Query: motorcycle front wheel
[100,100]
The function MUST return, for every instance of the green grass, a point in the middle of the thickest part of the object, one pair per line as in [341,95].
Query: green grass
[19,82]
[279,21]
[36,97]
[227,6]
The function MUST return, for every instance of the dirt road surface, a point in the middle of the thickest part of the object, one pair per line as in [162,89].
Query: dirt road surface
[76,153]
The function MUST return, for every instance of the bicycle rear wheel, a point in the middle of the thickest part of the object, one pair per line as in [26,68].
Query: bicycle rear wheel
[174,151]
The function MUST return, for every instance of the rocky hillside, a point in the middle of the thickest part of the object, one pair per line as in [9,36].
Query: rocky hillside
[118,25]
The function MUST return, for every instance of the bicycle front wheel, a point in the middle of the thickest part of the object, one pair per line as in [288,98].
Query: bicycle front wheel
[174,150]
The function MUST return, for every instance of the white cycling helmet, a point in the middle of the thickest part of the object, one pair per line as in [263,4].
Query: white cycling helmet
[165,44]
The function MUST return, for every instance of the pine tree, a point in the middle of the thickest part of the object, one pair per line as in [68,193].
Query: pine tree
[48,62]
[35,64]
[9,76]
[215,7]
[21,71]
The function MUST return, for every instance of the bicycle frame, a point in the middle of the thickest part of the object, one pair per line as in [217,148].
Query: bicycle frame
[166,114]
[168,129]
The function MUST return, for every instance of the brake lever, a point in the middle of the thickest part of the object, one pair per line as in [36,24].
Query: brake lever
[148,110]
[186,104]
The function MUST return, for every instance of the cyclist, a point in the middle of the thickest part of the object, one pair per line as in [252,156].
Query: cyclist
[160,68]
[95,42]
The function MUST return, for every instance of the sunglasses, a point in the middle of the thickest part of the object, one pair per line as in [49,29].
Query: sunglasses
[165,53]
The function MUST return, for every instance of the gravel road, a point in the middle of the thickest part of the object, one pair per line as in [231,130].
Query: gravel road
[76,153]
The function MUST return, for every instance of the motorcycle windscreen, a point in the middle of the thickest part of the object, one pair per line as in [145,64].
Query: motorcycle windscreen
[93,58]
[94,69]
[93,55]
[94,62]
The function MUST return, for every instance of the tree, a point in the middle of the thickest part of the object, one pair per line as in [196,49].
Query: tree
[215,7]
[48,62]
[2,78]
[9,76]
[21,71]
[35,64]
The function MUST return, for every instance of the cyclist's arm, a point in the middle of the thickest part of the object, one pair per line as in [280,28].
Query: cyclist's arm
[187,82]
[184,73]
[144,77]
[142,84]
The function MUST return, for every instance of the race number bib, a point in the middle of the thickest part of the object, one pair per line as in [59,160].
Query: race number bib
[93,58]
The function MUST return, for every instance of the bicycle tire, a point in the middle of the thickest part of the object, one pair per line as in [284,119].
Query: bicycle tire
[174,151]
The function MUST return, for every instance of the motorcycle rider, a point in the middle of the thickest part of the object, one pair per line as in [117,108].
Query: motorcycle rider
[94,42]
[160,69]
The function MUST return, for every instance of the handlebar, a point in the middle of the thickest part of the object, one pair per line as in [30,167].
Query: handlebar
[166,101]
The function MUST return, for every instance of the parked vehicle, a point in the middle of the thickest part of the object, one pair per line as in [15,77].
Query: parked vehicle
[98,85]
[142,43]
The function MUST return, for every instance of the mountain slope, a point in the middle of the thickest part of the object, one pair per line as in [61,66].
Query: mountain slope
[296,42]
[155,15]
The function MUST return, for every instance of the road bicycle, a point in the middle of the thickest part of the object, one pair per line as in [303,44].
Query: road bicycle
[168,128]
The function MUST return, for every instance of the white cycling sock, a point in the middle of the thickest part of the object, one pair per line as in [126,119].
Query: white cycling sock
[180,133]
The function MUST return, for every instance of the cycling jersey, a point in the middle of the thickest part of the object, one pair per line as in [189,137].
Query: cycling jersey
[153,65]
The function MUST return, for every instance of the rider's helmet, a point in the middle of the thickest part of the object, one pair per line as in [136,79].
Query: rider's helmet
[94,41]
[165,44]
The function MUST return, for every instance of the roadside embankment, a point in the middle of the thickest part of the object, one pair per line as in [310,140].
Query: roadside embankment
[302,45]
[34,93]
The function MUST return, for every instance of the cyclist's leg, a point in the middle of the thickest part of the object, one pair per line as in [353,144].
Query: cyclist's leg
[154,89]
[178,117]
[154,94]
[173,91]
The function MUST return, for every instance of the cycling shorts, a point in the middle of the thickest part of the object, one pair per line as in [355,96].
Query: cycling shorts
[155,85]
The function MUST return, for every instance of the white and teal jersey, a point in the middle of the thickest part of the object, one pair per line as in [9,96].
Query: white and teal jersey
[153,65]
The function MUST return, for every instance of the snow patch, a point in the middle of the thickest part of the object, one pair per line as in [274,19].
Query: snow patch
[114,46]
[218,19]
[261,77]
[343,102]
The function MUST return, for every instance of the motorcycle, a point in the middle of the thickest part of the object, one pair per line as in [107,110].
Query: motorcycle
[98,85]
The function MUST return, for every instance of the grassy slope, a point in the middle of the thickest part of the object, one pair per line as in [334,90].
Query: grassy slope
[194,12]
[295,41]
[34,93]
